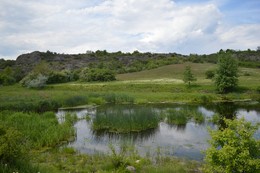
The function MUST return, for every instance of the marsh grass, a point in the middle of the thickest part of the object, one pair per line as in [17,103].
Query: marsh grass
[183,115]
[198,117]
[126,120]
[39,130]
[177,117]
[118,98]
[76,100]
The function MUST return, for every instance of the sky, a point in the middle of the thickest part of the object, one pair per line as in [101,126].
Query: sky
[162,26]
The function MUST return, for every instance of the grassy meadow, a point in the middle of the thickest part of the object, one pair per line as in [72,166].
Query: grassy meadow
[163,84]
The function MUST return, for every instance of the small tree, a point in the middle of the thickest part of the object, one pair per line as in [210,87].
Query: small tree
[188,76]
[7,76]
[226,78]
[233,149]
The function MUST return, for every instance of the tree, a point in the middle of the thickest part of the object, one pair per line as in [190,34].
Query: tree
[233,149]
[7,76]
[226,78]
[188,76]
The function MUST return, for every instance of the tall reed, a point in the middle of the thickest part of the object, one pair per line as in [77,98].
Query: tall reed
[126,120]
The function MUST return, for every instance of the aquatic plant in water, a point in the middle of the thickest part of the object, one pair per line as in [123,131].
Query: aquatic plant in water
[126,120]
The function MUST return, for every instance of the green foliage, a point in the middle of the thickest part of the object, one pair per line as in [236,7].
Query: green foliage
[226,77]
[6,63]
[38,130]
[57,77]
[210,74]
[42,68]
[96,74]
[76,100]
[7,76]
[188,76]
[11,144]
[38,77]
[46,105]
[233,149]
[258,89]
[23,132]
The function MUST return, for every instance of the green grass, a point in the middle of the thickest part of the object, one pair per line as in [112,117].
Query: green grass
[68,160]
[174,71]
[38,130]
[163,84]
[123,120]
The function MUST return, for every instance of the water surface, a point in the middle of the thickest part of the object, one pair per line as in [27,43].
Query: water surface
[186,141]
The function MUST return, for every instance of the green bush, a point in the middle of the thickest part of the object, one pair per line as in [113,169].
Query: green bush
[11,144]
[47,105]
[96,74]
[57,77]
[233,149]
[210,74]
[7,77]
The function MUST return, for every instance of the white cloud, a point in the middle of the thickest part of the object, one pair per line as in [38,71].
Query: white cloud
[247,36]
[158,26]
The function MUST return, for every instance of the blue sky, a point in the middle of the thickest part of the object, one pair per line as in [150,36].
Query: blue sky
[75,26]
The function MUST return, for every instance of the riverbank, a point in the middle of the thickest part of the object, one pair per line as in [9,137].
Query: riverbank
[74,94]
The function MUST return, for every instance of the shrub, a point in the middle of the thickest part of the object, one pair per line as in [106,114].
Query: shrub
[34,81]
[57,77]
[97,74]
[47,105]
[210,74]
[7,77]
[233,149]
[11,142]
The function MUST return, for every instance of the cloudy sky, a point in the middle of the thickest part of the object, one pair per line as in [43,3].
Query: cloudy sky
[75,26]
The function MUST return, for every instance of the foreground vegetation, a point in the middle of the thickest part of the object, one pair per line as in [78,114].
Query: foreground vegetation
[233,148]
[23,132]
[28,143]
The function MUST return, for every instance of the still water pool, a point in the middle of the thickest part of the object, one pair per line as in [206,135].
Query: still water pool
[188,140]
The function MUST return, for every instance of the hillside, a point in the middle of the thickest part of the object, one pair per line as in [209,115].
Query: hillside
[121,62]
